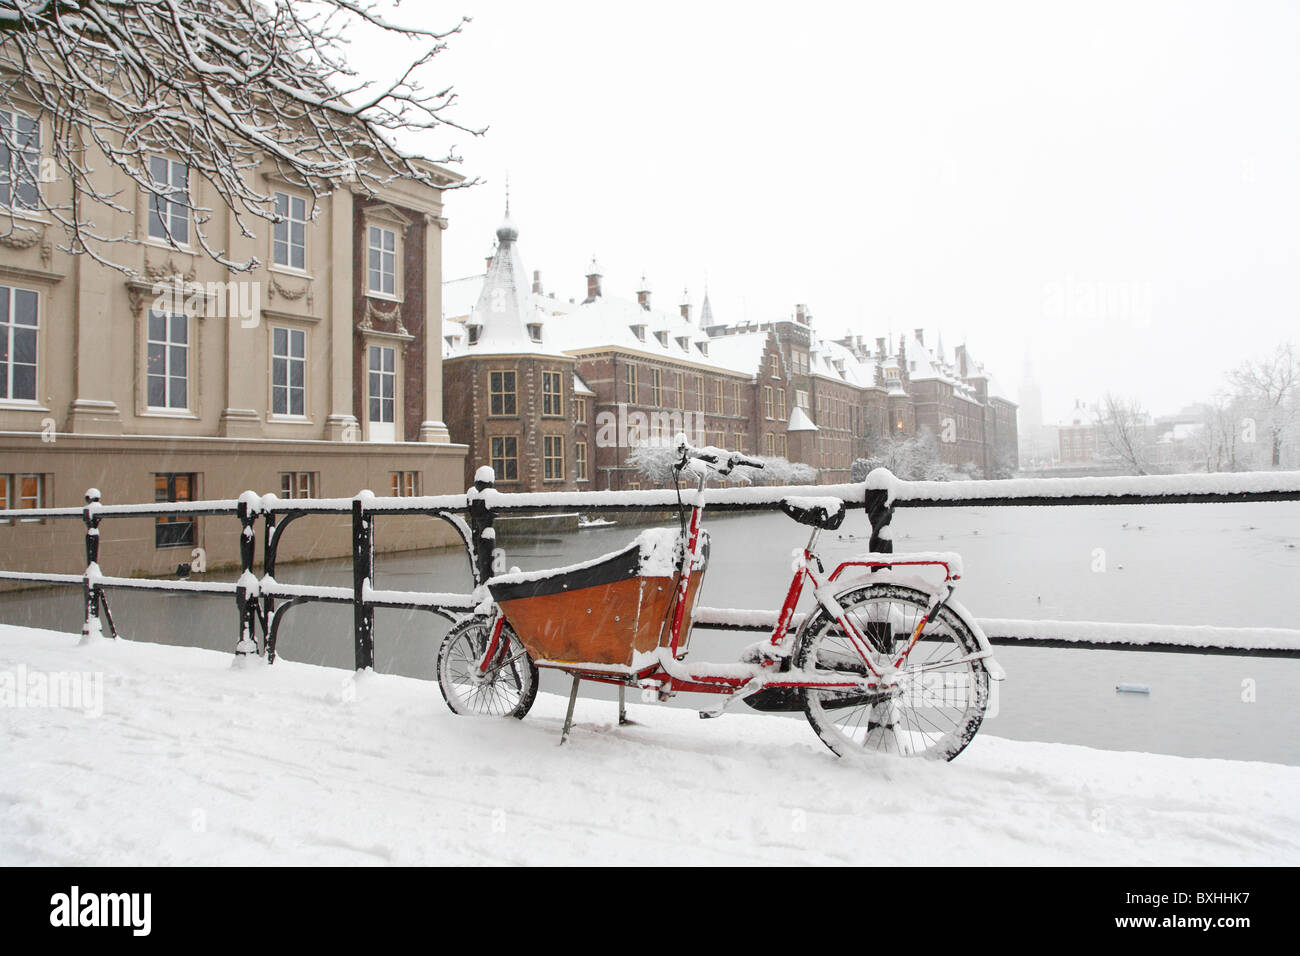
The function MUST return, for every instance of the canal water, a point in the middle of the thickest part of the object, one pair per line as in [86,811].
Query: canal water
[1222,564]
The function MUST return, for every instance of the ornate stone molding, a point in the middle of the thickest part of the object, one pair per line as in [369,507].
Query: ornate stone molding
[22,237]
[166,271]
[293,295]
[373,312]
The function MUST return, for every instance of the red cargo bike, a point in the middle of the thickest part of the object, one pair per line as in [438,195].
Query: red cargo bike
[885,661]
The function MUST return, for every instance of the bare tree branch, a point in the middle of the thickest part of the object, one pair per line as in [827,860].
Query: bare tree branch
[222,86]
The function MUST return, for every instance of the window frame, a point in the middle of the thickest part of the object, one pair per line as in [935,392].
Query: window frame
[512,394]
[287,224]
[294,485]
[371,249]
[167,376]
[187,535]
[553,465]
[20,162]
[552,398]
[289,387]
[164,208]
[9,328]
[580,461]
[503,458]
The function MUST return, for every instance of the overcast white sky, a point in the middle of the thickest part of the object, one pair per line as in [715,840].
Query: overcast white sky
[1110,188]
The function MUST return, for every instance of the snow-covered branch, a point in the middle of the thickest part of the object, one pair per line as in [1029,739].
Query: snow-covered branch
[220,86]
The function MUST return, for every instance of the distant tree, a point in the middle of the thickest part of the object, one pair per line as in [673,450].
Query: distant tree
[1005,463]
[654,462]
[1218,439]
[1268,389]
[220,85]
[1124,433]
[915,458]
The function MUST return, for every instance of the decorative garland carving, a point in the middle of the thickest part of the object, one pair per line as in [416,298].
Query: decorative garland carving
[21,237]
[372,312]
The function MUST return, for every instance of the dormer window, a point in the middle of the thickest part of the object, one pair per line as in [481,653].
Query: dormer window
[703,347]
[535,331]
[684,343]
[474,332]
[663,338]
[639,332]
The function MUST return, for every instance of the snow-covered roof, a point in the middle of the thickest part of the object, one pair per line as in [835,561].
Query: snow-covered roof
[580,387]
[614,322]
[800,422]
[460,295]
[742,352]
[507,318]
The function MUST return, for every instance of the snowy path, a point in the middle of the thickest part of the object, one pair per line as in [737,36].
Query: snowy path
[196,762]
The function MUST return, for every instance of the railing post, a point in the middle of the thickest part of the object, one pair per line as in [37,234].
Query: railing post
[480,525]
[363,572]
[90,592]
[246,596]
[880,512]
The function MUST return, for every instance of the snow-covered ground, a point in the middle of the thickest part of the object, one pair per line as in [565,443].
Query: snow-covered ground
[192,761]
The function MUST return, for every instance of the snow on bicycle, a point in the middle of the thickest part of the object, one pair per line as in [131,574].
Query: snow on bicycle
[886,661]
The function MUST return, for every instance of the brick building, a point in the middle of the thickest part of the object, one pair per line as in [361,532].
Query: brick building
[640,373]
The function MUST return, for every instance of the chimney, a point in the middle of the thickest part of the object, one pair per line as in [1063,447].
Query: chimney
[801,314]
[880,347]
[593,281]
[920,335]
[643,294]
[960,356]
[537,282]
[686,305]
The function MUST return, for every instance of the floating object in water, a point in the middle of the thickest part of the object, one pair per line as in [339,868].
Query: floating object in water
[1132,689]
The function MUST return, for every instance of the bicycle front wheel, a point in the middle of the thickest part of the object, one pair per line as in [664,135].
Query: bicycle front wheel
[938,702]
[510,685]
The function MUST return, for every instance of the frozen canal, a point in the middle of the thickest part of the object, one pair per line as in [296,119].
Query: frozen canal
[1185,564]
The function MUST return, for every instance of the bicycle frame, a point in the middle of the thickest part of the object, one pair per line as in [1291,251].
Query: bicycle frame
[668,675]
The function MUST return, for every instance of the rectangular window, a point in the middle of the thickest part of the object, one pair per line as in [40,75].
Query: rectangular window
[404,484]
[167,360]
[656,387]
[580,460]
[736,398]
[767,401]
[382,270]
[505,457]
[679,390]
[169,217]
[738,441]
[18,326]
[383,384]
[552,394]
[553,458]
[22,492]
[289,235]
[780,404]
[580,410]
[174,531]
[770,441]
[631,384]
[288,372]
[501,393]
[297,484]
[20,160]
[717,396]
[699,392]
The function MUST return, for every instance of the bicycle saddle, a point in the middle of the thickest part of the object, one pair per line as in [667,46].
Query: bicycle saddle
[815,514]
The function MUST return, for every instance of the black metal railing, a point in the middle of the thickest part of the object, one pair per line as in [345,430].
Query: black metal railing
[262,603]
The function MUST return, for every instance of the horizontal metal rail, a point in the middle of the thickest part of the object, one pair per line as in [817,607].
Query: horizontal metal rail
[256,597]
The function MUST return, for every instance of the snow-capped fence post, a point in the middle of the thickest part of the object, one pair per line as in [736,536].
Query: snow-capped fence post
[246,591]
[480,524]
[90,591]
[363,573]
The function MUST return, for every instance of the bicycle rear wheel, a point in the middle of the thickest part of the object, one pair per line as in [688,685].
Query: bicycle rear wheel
[510,686]
[939,701]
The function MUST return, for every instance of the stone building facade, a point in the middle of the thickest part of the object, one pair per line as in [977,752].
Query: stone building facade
[319,373]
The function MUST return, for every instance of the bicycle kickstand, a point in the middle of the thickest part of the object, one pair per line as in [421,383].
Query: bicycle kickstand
[568,717]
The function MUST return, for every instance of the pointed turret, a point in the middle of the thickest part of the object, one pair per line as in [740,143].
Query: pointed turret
[706,311]
[500,319]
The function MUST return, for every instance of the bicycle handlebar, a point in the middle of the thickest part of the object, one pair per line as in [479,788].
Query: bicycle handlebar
[713,456]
